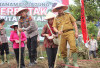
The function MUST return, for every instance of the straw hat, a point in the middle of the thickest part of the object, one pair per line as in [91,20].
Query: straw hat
[15,24]
[64,7]
[50,15]
[21,10]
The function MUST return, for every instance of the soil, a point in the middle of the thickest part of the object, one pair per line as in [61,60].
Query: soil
[42,63]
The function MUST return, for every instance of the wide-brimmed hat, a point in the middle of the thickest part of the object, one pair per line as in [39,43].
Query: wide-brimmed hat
[50,15]
[15,24]
[64,7]
[21,10]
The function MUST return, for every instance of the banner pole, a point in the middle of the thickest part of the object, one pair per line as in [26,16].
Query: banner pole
[19,48]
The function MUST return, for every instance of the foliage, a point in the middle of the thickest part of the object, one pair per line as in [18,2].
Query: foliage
[92,9]
[92,29]
[99,49]
[75,10]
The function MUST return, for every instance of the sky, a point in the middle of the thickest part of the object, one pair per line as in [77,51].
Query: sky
[71,1]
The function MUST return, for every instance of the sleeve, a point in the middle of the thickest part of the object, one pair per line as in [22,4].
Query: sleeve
[72,19]
[43,31]
[19,24]
[3,31]
[0,39]
[23,37]
[38,38]
[11,37]
[0,36]
[88,42]
[33,26]
[55,23]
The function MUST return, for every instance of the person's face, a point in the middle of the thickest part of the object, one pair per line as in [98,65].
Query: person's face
[15,28]
[60,10]
[23,14]
[92,37]
[3,22]
[50,20]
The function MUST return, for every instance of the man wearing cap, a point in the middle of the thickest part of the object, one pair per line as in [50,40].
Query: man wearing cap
[26,23]
[93,46]
[64,24]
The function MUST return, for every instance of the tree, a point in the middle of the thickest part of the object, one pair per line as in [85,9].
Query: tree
[92,11]
[75,10]
[92,29]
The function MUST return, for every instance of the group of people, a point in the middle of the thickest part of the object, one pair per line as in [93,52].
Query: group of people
[61,26]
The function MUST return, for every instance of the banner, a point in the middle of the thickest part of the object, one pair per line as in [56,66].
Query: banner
[83,23]
[37,8]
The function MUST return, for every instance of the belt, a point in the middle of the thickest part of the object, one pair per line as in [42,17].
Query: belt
[67,30]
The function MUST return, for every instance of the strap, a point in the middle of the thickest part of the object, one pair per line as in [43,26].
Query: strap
[49,29]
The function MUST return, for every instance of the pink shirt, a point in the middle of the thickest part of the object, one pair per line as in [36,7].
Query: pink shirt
[14,36]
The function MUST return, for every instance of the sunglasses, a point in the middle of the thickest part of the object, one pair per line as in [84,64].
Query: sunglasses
[50,19]
[59,8]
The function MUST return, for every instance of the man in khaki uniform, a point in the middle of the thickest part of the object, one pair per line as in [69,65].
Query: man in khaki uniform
[64,24]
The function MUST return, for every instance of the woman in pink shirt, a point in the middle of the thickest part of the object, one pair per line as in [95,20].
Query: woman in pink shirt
[14,38]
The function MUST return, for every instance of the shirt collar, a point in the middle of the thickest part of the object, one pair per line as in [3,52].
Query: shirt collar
[61,14]
[15,31]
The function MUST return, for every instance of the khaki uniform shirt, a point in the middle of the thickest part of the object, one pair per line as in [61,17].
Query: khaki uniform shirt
[65,19]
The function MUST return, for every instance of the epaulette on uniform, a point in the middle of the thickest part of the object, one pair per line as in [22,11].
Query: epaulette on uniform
[67,12]
[64,13]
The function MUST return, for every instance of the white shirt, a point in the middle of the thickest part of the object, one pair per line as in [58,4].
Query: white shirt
[68,46]
[93,45]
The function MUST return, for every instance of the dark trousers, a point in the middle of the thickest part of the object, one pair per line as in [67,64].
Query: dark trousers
[32,48]
[4,47]
[51,53]
[17,56]
[93,52]
[0,49]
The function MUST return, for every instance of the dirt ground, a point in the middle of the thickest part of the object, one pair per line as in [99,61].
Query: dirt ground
[42,63]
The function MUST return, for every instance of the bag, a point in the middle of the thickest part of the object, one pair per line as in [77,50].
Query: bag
[55,40]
